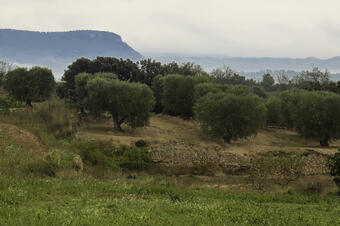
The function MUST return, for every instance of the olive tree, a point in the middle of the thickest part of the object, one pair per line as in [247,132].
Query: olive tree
[127,102]
[34,85]
[230,116]
[317,115]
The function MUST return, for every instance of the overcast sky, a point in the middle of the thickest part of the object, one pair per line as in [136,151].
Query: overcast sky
[253,28]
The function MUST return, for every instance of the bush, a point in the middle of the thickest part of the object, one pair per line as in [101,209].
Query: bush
[58,117]
[229,116]
[104,154]
[140,143]
[132,158]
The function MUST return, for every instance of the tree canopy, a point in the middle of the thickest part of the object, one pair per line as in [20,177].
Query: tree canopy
[128,103]
[32,85]
[317,115]
[230,116]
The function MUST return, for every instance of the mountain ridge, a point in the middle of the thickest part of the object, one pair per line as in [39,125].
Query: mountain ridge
[58,49]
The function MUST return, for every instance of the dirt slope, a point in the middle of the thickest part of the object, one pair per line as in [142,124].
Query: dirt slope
[14,135]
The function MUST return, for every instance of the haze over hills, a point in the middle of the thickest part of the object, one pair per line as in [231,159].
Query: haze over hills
[58,49]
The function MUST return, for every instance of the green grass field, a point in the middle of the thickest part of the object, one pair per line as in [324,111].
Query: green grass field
[101,202]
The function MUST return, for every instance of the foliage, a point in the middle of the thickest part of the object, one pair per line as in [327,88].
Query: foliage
[317,115]
[35,84]
[67,88]
[104,154]
[4,69]
[143,71]
[334,166]
[157,88]
[274,112]
[57,116]
[311,80]
[133,158]
[227,76]
[289,100]
[178,94]
[268,82]
[230,116]
[259,91]
[203,89]
[128,103]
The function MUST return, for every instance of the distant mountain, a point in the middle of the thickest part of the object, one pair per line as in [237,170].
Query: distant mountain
[252,64]
[58,49]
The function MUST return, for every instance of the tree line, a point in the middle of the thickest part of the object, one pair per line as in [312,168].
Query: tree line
[226,104]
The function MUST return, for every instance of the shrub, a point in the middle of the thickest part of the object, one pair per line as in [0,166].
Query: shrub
[58,117]
[104,154]
[132,158]
[140,143]
[97,153]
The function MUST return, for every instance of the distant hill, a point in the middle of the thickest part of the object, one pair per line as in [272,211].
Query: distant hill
[254,67]
[58,49]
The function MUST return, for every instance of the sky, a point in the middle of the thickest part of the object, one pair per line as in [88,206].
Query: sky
[239,28]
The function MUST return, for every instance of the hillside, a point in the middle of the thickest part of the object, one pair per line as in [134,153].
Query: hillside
[57,49]
[179,144]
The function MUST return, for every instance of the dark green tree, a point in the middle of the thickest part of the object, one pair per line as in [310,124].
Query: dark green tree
[178,94]
[149,70]
[268,82]
[67,88]
[317,115]
[230,116]
[274,112]
[34,85]
[289,100]
[157,88]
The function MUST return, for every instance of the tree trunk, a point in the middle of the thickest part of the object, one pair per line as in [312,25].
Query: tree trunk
[29,103]
[227,138]
[324,142]
[117,123]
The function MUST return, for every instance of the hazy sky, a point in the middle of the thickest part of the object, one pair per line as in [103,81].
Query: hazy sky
[277,28]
